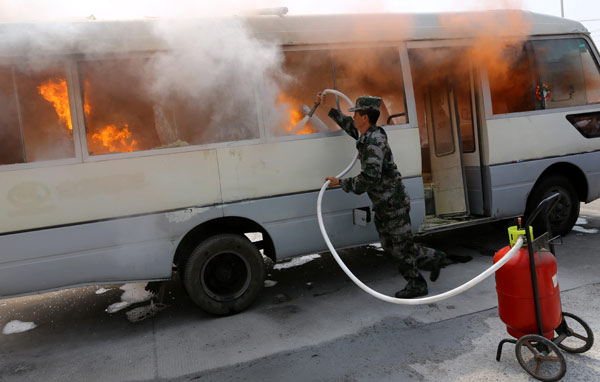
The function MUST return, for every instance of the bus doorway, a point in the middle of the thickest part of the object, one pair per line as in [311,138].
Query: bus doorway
[447,112]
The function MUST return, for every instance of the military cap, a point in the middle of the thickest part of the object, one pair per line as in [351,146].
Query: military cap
[366,103]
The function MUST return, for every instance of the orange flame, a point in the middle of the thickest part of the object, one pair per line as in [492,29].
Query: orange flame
[87,109]
[294,115]
[116,139]
[55,91]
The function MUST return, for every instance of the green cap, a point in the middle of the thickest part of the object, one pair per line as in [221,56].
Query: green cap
[366,103]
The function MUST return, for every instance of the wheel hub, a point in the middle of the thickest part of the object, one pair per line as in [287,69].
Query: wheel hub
[562,209]
[225,276]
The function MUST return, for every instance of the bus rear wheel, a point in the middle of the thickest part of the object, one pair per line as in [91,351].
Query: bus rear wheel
[224,274]
[564,215]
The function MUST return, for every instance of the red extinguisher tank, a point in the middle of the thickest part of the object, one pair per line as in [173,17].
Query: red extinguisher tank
[516,306]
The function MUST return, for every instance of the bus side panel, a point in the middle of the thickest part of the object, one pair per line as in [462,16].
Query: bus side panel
[134,248]
[474,188]
[511,183]
[282,167]
[291,220]
[51,196]
[535,136]
[299,165]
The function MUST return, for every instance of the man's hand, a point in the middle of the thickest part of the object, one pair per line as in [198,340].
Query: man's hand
[333,181]
[320,98]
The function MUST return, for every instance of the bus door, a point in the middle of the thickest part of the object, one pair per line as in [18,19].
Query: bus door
[445,149]
[468,111]
[446,106]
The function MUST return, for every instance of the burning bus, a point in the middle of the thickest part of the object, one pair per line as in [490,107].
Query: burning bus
[127,152]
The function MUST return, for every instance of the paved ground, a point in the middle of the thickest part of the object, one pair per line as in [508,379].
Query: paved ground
[314,324]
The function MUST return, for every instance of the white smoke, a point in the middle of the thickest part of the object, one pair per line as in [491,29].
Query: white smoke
[217,67]
[208,69]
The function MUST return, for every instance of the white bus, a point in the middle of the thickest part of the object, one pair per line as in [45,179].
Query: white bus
[100,184]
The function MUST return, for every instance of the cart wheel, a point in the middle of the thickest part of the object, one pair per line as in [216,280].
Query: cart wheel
[540,357]
[575,341]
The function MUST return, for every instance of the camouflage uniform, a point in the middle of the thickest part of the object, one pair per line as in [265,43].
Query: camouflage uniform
[380,178]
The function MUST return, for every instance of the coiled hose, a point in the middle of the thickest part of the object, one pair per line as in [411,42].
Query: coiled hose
[402,301]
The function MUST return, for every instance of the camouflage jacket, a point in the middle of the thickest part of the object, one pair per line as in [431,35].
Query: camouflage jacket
[379,176]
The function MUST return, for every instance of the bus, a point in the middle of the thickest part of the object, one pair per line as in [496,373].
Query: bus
[102,183]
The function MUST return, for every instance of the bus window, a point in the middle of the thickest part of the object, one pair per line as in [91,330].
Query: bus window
[35,123]
[588,124]
[122,113]
[374,72]
[559,72]
[442,122]
[512,82]
[465,117]
[118,113]
[11,146]
[591,73]
[307,73]
[545,74]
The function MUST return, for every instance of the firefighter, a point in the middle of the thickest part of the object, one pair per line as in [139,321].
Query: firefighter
[380,178]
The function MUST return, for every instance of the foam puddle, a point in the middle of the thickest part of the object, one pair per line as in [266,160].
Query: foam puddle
[17,326]
[102,291]
[132,294]
[144,312]
[297,261]
[585,230]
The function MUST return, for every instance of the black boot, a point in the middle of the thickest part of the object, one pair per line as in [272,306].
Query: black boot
[437,265]
[414,288]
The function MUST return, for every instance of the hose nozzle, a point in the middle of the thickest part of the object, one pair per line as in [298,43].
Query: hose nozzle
[314,108]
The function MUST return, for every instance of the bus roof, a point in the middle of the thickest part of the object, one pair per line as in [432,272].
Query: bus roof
[100,36]
[296,30]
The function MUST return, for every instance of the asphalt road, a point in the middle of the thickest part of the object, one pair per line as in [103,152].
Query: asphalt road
[312,325]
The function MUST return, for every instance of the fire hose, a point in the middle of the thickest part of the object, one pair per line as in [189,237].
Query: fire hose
[402,301]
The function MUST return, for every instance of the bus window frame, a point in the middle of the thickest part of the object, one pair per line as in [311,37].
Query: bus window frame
[454,43]
[87,158]
[70,73]
[409,100]
[434,130]
[487,95]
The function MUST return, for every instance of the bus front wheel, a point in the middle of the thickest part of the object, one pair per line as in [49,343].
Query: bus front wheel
[224,274]
[564,215]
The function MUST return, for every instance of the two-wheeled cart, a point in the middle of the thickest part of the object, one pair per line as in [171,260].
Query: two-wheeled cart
[529,303]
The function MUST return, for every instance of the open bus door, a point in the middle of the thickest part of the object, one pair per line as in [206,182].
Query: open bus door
[447,112]
[445,154]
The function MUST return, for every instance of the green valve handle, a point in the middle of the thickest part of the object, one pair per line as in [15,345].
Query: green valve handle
[514,232]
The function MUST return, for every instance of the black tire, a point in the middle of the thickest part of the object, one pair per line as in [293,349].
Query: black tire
[224,274]
[541,358]
[580,342]
[564,215]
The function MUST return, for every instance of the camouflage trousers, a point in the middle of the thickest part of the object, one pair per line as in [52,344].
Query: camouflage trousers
[397,241]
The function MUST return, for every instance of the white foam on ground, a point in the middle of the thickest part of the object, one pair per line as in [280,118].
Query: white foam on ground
[132,294]
[585,230]
[144,312]
[17,326]
[581,221]
[102,290]
[254,236]
[270,283]
[297,261]
[113,308]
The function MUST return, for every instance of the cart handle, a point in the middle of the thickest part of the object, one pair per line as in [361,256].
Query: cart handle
[546,206]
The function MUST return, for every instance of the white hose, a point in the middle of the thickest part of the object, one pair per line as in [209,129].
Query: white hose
[394,300]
